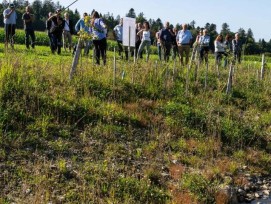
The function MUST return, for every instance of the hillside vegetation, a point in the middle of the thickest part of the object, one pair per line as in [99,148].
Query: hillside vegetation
[151,135]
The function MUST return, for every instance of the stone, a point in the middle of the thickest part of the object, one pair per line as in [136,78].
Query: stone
[27,191]
[264,187]
[241,191]
[266,192]
[247,188]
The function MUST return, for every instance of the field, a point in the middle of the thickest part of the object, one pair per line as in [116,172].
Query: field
[148,133]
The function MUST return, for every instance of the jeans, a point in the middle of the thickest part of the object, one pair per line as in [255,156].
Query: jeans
[143,44]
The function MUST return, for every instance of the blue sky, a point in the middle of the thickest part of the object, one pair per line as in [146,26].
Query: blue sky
[237,13]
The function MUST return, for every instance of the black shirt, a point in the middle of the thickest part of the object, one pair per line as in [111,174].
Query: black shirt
[27,25]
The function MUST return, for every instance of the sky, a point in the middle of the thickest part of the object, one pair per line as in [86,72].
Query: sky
[236,13]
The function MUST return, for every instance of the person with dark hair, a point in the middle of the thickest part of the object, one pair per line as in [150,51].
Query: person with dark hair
[10,17]
[219,49]
[56,30]
[48,27]
[28,19]
[98,29]
[237,48]
[146,39]
[228,47]
[184,39]
[138,39]
[166,40]
[80,25]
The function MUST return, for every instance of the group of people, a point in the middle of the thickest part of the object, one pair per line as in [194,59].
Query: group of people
[169,41]
[59,30]
[10,17]
[180,42]
[58,27]
[172,42]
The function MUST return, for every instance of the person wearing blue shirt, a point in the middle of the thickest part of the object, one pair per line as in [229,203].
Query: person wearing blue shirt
[98,29]
[184,39]
[118,35]
[80,25]
[10,17]
[204,43]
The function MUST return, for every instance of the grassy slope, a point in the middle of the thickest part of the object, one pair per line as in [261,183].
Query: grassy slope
[141,141]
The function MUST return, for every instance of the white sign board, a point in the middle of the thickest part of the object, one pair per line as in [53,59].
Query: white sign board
[129,32]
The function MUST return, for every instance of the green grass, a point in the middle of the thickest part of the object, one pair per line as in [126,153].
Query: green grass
[88,140]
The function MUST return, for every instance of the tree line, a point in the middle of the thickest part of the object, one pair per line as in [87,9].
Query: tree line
[42,8]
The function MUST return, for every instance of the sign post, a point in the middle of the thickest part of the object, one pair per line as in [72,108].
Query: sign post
[129,33]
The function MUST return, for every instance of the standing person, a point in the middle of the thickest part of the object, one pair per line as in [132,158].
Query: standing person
[174,44]
[204,43]
[67,32]
[138,39]
[28,19]
[118,35]
[237,48]
[196,47]
[219,49]
[184,39]
[56,30]
[48,27]
[166,41]
[10,17]
[80,25]
[98,30]
[157,36]
[228,45]
[146,40]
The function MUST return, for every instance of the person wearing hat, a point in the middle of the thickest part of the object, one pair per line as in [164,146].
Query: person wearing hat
[28,19]
[56,30]
[10,17]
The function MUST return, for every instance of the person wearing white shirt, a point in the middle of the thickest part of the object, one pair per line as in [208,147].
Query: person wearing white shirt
[219,49]
[145,41]
[204,43]
[10,17]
